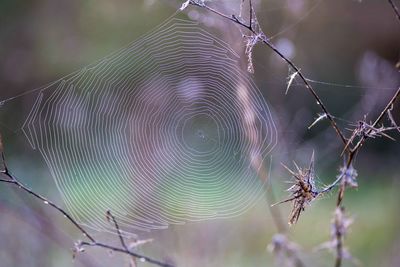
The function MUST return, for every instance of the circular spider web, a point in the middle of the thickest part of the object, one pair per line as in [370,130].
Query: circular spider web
[160,132]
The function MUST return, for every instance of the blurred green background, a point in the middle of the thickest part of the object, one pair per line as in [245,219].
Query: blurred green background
[335,43]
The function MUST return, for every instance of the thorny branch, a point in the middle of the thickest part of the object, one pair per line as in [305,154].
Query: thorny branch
[370,130]
[109,217]
[395,9]
[256,32]
[303,190]
[11,179]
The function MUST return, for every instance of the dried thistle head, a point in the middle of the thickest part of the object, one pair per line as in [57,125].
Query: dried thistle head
[302,191]
[285,251]
[340,225]
[348,176]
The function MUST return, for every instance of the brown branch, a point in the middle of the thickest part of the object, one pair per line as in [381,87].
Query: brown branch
[11,179]
[375,124]
[353,151]
[351,155]
[339,244]
[395,9]
[350,152]
[124,251]
[266,41]
[251,11]
[339,252]
[121,238]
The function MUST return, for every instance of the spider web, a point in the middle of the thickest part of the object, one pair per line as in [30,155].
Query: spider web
[161,132]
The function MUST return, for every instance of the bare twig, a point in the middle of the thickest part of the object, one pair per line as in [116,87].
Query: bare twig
[395,9]
[124,251]
[366,130]
[111,217]
[374,125]
[326,114]
[391,118]
[303,191]
[258,32]
[11,179]
[348,166]
[121,238]
[251,13]
[364,137]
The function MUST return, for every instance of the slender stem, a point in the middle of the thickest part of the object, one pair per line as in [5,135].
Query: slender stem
[121,238]
[11,179]
[395,9]
[265,40]
[136,255]
[339,245]
[375,124]
[122,250]
[351,152]
[251,14]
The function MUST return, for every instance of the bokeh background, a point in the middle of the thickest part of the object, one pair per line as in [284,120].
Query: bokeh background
[348,49]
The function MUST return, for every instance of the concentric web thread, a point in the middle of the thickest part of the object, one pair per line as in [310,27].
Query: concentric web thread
[157,132]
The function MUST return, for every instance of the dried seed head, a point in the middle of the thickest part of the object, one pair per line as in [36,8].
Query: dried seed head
[340,225]
[349,176]
[285,251]
[280,242]
[302,191]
